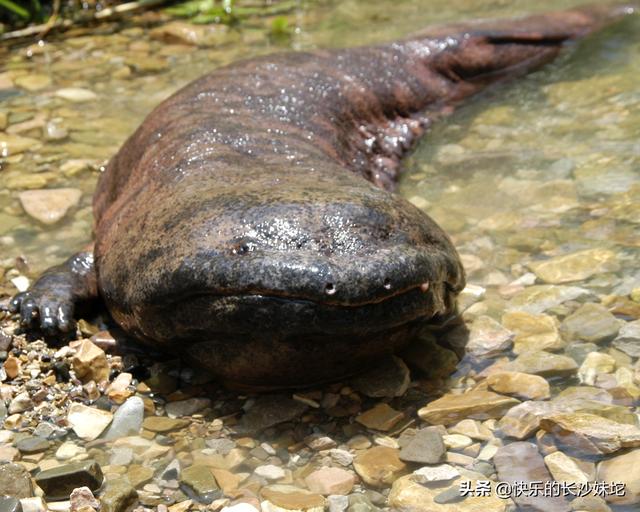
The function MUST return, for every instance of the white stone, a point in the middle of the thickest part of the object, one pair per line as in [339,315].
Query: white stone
[69,450]
[270,472]
[49,205]
[76,94]
[88,422]
[127,420]
[435,474]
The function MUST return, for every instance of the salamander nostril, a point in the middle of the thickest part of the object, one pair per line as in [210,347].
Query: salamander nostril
[387,284]
[329,289]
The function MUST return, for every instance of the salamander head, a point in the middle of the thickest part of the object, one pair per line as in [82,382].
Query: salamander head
[283,269]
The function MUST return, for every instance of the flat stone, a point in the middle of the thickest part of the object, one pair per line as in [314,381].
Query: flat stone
[180,32]
[626,469]
[270,410]
[9,454]
[596,363]
[328,481]
[488,338]
[200,481]
[440,473]
[521,462]
[187,407]
[15,480]
[523,420]
[76,94]
[591,434]
[592,323]
[49,205]
[544,364]
[576,266]
[590,504]
[407,495]
[57,483]
[10,504]
[127,420]
[539,298]
[69,450]
[139,475]
[227,480]
[533,331]
[425,447]
[14,145]
[35,504]
[520,385]
[88,422]
[381,417]
[270,472]
[457,441]
[628,339]
[389,379]
[473,429]
[163,424]
[33,82]
[379,466]
[32,444]
[118,496]
[292,498]
[567,469]
[477,404]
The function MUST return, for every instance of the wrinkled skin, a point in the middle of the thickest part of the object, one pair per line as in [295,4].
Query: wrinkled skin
[249,223]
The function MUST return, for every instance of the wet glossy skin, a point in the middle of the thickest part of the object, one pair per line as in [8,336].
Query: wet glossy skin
[249,224]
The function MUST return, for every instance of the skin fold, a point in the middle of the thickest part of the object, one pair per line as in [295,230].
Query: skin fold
[249,224]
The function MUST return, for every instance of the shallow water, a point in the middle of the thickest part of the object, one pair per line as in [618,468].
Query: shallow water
[528,172]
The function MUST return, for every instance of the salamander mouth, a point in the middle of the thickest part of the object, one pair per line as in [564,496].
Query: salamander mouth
[207,314]
[266,295]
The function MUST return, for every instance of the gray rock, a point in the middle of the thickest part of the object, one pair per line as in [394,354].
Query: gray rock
[628,339]
[15,481]
[47,430]
[127,420]
[10,504]
[591,323]
[32,444]
[522,462]
[221,445]
[57,483]
[337,503]
[389,379]
[187,407]
[579,351]
[451,495]
[426,447]
[270,410]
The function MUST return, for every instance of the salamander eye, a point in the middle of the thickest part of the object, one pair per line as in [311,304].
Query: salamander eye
[387,284]
[242,247]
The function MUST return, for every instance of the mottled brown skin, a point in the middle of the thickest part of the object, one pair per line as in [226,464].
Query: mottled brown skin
[249,224]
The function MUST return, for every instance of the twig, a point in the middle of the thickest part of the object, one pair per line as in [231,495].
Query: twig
[63,24]
[52,19]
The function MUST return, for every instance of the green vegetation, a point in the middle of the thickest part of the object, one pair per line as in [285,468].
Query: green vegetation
[21,11]
[41,16]
[228,12]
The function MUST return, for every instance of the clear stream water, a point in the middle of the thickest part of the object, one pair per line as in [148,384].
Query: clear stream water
[480,165]
[540,168]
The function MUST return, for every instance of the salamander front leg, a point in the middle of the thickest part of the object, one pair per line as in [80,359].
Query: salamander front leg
[50,302]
